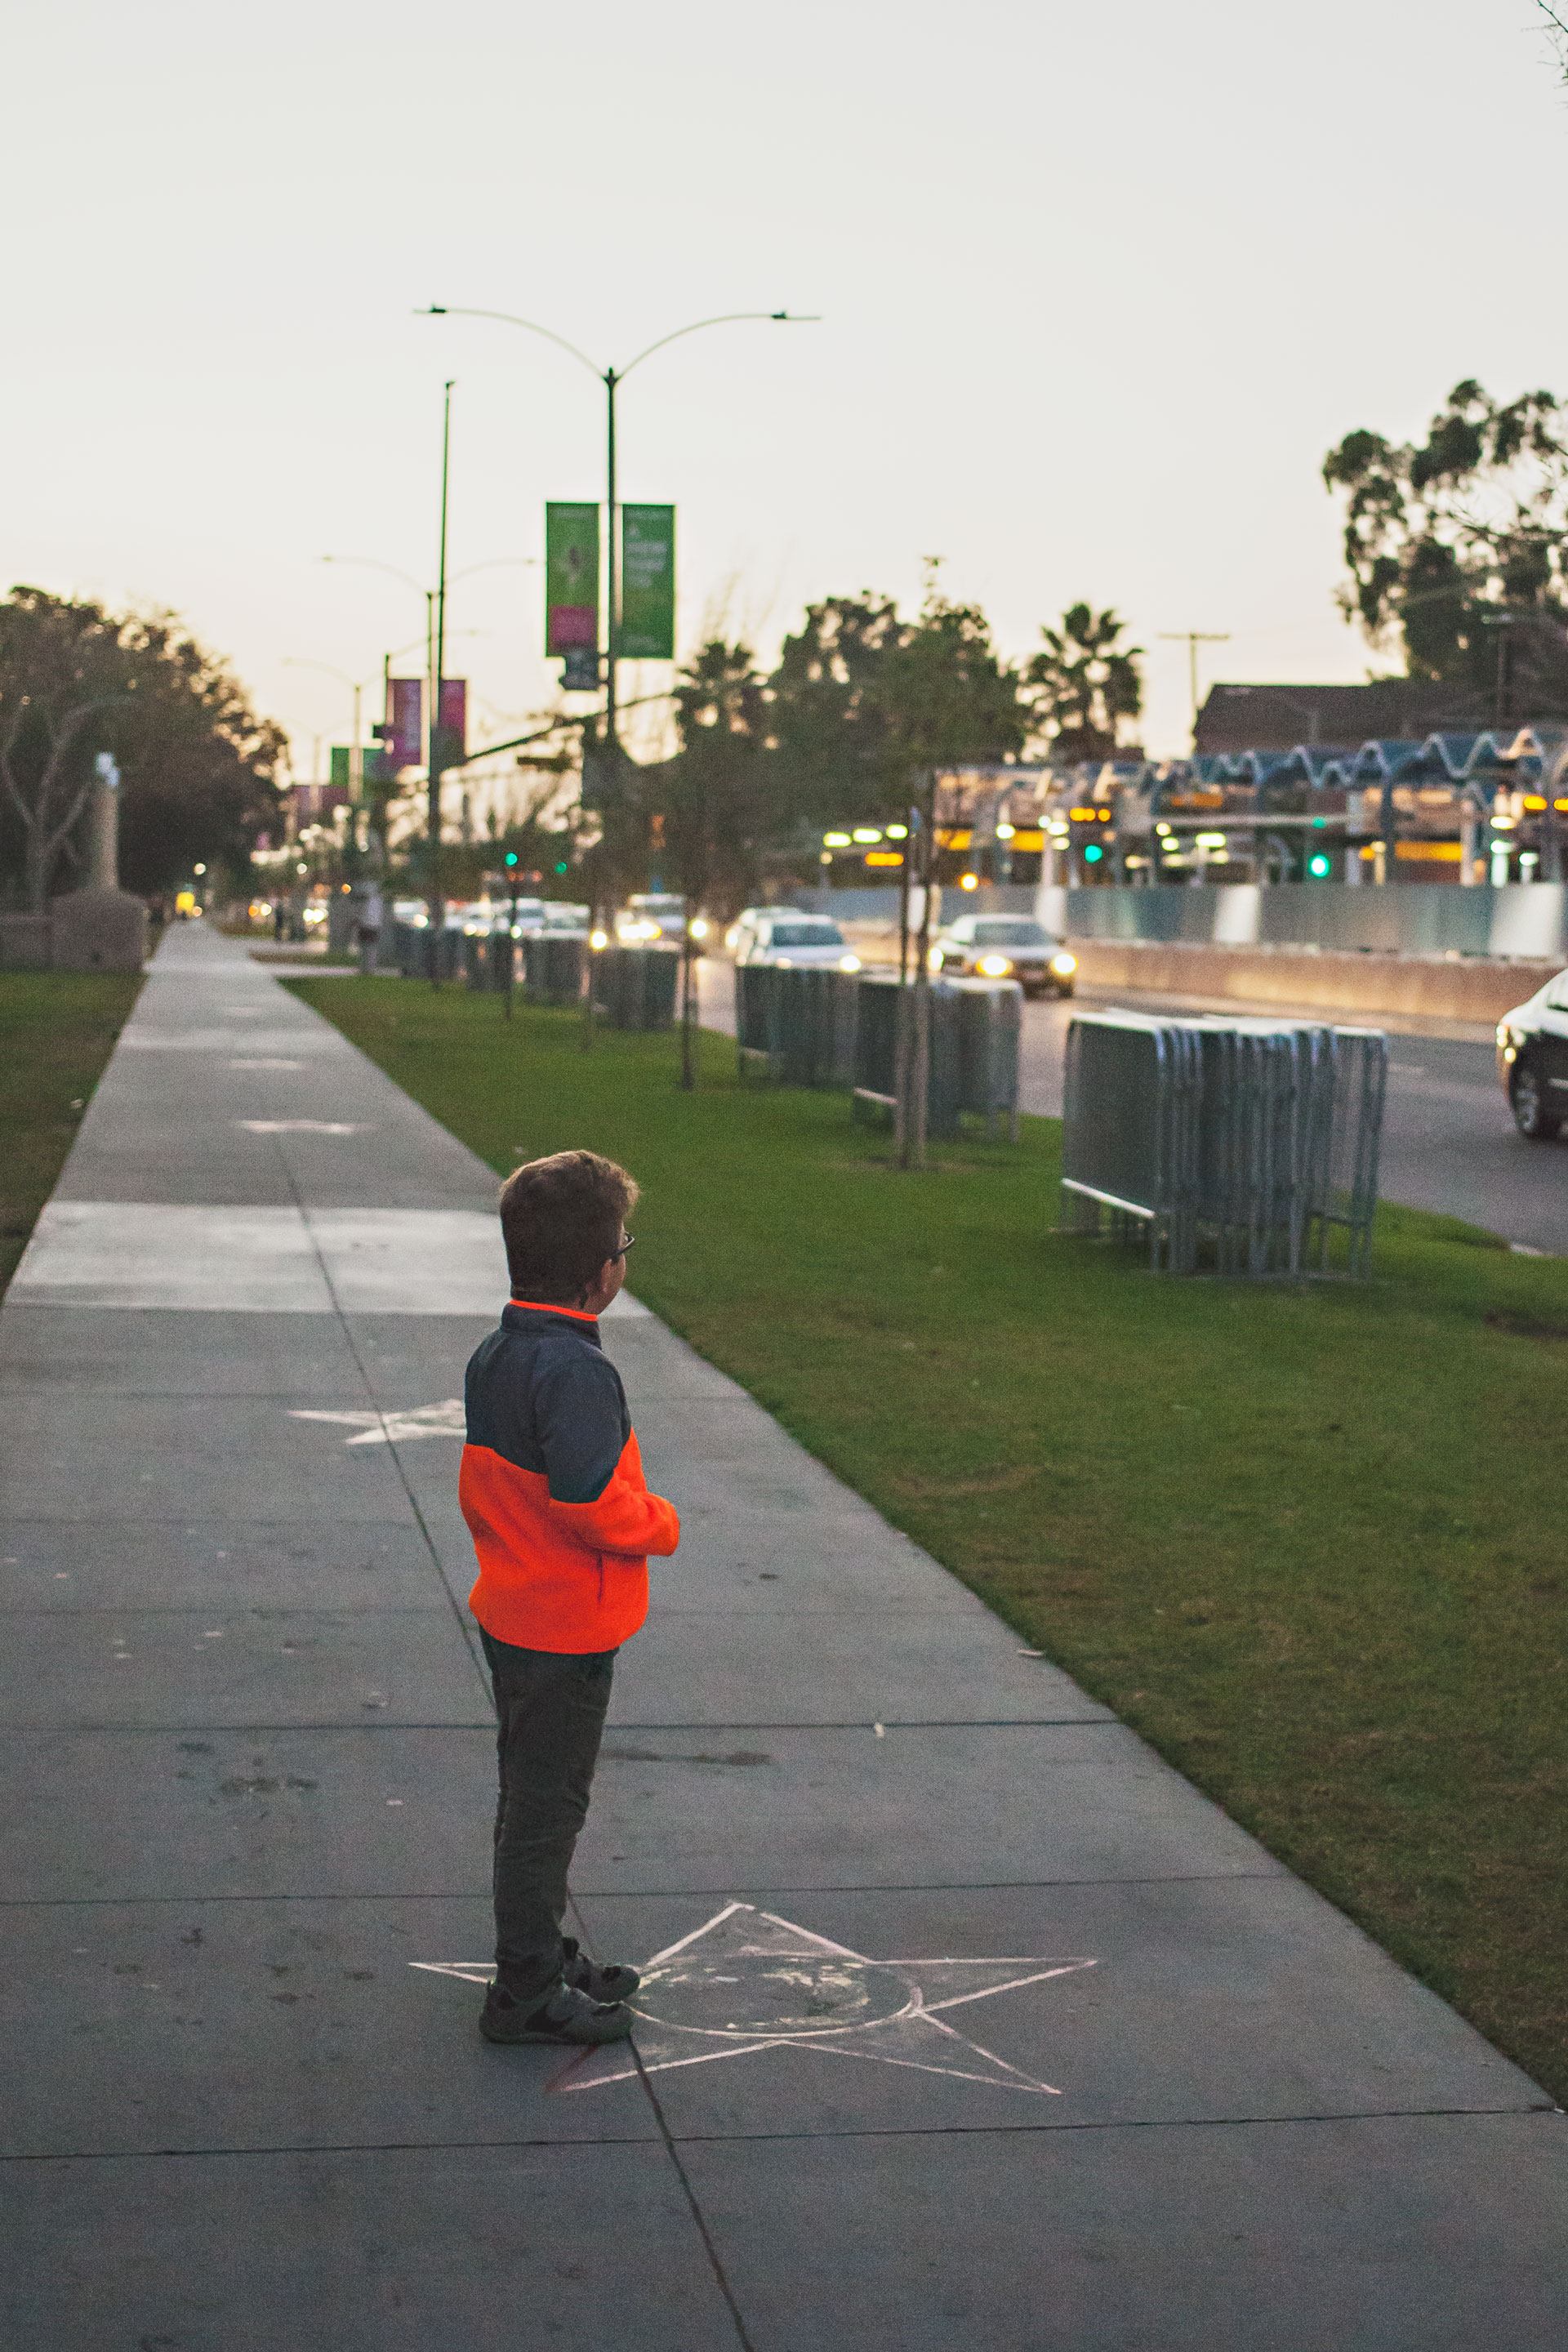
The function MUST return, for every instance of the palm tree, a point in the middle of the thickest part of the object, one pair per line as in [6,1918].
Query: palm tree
[1086,682]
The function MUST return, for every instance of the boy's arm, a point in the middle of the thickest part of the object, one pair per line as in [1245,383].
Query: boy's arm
[597,1490]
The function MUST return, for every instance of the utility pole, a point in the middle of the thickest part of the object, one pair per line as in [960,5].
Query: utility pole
[612,571]
[435,903]
[1192,639]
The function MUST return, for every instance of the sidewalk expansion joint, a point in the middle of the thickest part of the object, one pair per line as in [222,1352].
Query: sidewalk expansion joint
[273,2149]
[640,1894]
[1541,2106]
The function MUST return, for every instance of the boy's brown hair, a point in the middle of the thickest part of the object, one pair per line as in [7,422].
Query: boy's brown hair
[561,1218]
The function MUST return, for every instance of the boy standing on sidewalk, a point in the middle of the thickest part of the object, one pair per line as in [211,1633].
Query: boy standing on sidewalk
[553,1490]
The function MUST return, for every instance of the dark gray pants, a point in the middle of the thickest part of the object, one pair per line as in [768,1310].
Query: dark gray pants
[550,1710]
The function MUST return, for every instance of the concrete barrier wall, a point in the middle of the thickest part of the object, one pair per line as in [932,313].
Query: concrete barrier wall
[24,942]
[1521,919]
[1352,987]
[86,930]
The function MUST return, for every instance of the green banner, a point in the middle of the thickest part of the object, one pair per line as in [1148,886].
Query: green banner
[648,584]
[570,577]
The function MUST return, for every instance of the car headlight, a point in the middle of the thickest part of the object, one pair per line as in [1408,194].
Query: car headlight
[1063,964]
[699,929]
[995,967]
[849,963]
[598,940]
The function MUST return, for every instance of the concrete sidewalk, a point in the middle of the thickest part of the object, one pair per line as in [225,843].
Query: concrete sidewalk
[971,2026]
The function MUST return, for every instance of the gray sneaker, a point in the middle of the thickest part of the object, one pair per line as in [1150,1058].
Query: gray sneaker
[565,2014]
[600,1981]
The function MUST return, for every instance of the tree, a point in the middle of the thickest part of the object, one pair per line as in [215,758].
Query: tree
[713,803]
[826,719]
[944,696]
[1451,541]
[1085,683]
[60,675]
[198,769]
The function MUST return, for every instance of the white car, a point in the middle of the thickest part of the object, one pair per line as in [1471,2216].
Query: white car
[741,929]
[784,937]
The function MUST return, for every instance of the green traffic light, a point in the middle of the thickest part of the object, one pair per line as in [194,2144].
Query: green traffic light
[562,868]
[511,857]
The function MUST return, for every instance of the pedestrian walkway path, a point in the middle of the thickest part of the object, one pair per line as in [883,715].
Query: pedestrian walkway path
[970,2026]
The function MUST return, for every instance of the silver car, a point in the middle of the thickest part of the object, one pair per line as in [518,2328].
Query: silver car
[1006,947]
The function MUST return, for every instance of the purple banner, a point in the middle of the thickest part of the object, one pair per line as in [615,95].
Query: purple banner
[406,718]
[453,718]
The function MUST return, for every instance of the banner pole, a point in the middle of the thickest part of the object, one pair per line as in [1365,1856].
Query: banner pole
[435,904]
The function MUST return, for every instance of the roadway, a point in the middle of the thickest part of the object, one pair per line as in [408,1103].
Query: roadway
[1448,1143]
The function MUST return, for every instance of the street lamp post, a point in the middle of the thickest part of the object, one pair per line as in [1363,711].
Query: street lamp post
[356,756]
[435,653]
[612,378]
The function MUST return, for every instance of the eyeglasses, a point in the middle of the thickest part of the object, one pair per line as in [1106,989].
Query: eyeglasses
[630,1243]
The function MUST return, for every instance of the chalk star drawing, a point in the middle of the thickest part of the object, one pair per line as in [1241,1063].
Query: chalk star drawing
[447,1419]
[749,1981]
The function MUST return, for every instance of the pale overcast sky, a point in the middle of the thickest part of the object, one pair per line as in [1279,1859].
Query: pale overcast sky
[1100,287]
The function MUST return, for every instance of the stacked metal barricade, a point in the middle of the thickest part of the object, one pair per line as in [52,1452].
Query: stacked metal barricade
[799,1022]
[553,966]
[487,958]
[976,1028]
[1246,1146]
[633,987]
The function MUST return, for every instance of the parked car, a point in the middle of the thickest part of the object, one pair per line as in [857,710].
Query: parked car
[1532,1060]
[650,915]
[741,931]
[492,916]
[784,935]
[1004,946]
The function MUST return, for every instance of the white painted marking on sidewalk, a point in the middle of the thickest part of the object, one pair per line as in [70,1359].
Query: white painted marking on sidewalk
[256,1261]
[748,1982]
[444,1420]
[304,1127]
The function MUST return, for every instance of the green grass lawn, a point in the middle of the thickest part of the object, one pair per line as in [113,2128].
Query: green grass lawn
[57,1031]
[1308,1540]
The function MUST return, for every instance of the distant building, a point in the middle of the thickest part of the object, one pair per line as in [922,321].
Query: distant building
[1267,718]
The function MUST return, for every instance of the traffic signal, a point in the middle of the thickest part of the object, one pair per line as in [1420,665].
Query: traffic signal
[511,857]
[562,867]
[1320,867]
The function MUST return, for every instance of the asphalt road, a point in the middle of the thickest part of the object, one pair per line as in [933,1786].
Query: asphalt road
[1448,1142]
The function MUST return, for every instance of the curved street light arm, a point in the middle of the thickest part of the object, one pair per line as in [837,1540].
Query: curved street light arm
[456,310]
[374,563]
[491,563]
[303,661]
[727,319]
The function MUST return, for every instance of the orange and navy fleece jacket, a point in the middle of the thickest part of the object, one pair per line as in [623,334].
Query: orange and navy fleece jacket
[552,1489]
